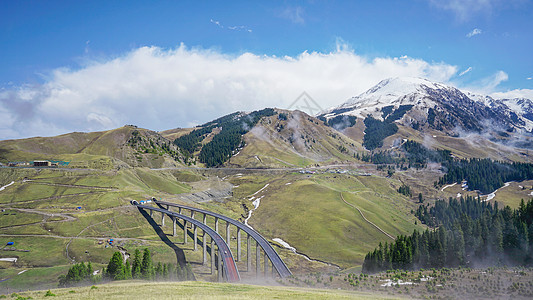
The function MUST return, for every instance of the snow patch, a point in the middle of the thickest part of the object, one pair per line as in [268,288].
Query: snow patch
[256,203]
[458,195]
[4,187]
[493,194]
[285,244]
[447,186]
[261,189]
[10,259]
[389,282]
[21,272]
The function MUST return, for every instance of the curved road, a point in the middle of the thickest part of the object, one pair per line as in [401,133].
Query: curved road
[232,274]
[277,262]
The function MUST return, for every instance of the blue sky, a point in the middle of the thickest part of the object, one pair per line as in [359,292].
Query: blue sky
[55,54]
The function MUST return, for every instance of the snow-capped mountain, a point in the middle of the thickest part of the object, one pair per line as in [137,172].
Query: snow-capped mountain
[424,104]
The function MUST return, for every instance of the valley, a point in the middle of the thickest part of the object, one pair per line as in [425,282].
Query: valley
[324,197]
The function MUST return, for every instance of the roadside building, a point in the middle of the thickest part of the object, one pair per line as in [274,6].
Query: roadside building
[41,163]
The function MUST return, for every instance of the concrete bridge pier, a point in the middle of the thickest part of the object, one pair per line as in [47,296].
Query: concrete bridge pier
[184,232]
[195,237]
[179,210]
[216,224]
[248,254]
[204,252]
[173,226]
[162,219]
[151,213]
[205,219]
[257,259]
[238,244]
[266,265]
[228,234]
[212,256]
[220,269]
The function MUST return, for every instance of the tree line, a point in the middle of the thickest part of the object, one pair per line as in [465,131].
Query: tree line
[484,175]
[229,139]
[221,147]
[470,232]
[142,267]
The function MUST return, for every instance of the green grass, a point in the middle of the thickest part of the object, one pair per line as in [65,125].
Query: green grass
[162,181]
[44,251]
[198,290]
[310,216]
[13,217]
[32,278]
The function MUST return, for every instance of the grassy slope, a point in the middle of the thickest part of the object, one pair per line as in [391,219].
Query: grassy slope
[267,145]
[198,290]
[310,215]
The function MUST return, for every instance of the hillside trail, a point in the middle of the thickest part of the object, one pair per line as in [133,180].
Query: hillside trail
[69,242]
[376,226]
[71,185]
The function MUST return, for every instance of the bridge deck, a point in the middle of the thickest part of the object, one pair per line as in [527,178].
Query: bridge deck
[277,262]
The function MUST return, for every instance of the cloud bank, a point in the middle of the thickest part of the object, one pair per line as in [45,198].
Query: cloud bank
[162,89]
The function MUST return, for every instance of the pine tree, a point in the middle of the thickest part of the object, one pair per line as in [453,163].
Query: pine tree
[136,266]
[127,270]
[147,268]
[158,271]
[115,267]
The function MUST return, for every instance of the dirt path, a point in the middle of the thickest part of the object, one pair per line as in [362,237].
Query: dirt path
[69,242]
[377,227]
[71,185]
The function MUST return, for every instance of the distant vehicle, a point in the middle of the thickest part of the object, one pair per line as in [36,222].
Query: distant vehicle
[10,243]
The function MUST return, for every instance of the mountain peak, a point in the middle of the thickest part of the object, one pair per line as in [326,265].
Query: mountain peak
[393,88]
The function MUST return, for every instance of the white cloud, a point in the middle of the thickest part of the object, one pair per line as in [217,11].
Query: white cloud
[518,93]
[488,84]
[216,23]
[162,89]
[529,78]
[466,9]
[235,28]
[293,14]
[465,71]
[474,32]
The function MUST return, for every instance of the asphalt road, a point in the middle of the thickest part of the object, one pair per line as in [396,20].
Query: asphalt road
[277,262]
[232,274]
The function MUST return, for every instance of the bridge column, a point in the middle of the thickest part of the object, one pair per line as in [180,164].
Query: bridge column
[228,235]
[257,259]
[204,252]
[195,237]
[212,256]
[205,219]
[266,265]
[248,254]
[238,244]
[173,226]
[216,224]
[151,213]
[184,232]
[179,210]
[162,219]
[220,269]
